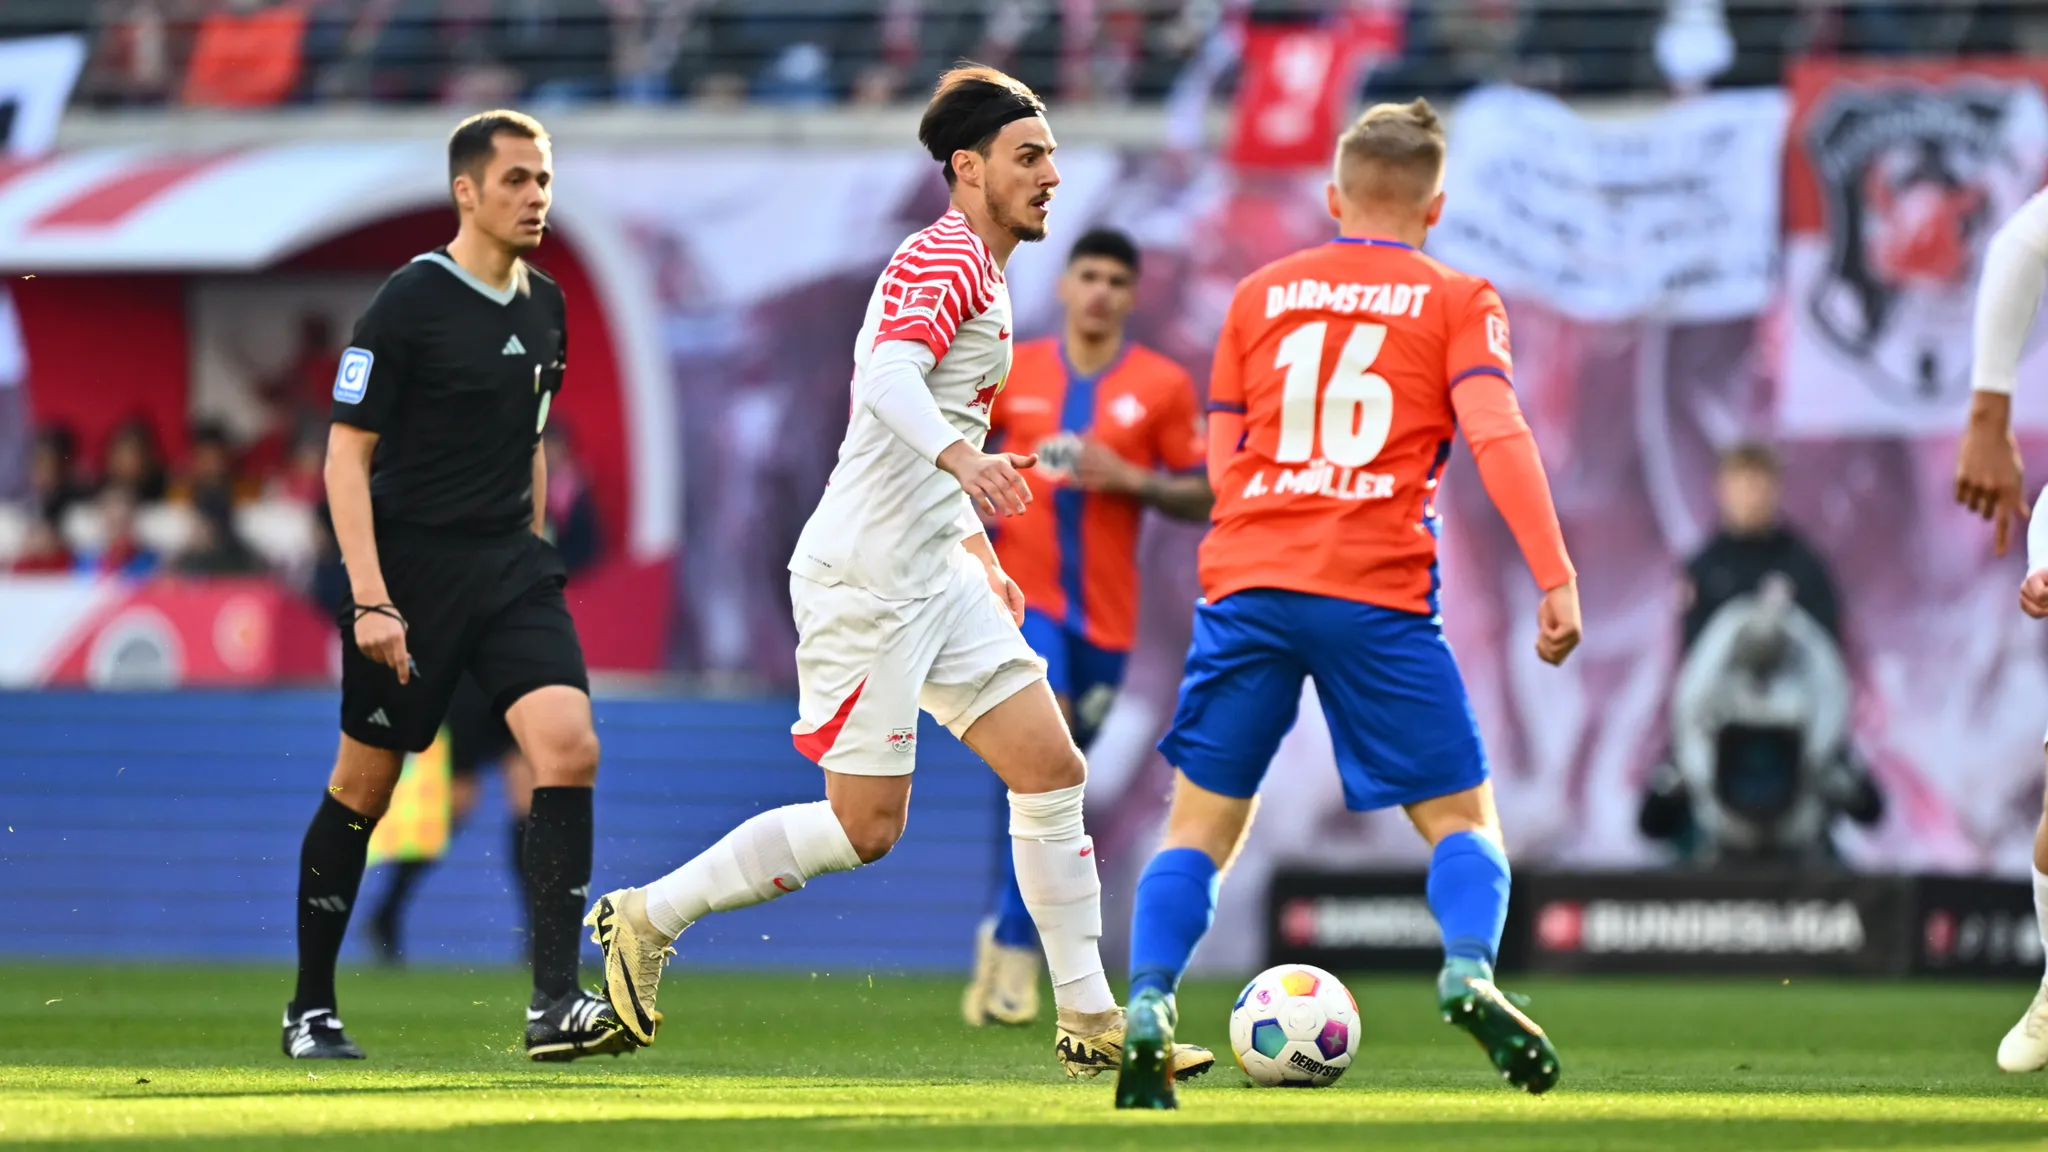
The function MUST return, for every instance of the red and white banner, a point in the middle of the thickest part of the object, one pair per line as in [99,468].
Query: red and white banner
[110,633]
[1896,178]
[1296,82]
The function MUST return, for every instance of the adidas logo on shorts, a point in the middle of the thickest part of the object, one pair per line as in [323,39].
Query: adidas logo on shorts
[380,719]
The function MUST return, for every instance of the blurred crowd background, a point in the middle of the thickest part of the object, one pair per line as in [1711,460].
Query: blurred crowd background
[552,53]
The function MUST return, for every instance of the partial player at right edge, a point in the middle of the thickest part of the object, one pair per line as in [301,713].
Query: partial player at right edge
[1988,482]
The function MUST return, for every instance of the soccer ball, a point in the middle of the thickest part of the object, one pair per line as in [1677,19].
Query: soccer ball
[1294,1027]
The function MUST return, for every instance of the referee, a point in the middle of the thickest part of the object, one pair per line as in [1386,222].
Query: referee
[438,485]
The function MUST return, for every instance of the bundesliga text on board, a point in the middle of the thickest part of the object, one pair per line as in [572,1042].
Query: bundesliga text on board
[1693,927]
[1359,922]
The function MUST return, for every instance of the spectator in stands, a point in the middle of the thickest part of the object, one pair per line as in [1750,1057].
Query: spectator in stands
[1750,544]
[52,473]
[120,552]
[134,467]
[341,43]
[43,550]
[307,381]
[303,479]
[571,512]
[246,54]
[132,58]
[647,40]
[476,75]
[209,470]
[216,549]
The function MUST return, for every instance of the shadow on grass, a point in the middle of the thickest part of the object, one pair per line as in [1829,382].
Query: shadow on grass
[913,1132]
[118,1086]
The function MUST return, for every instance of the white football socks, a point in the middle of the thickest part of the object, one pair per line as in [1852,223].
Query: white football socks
[771,855]
[2041,910]
[1056,874]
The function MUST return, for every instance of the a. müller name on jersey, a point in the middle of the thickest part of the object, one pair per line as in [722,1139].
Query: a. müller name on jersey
[1317,478]
[1349,299]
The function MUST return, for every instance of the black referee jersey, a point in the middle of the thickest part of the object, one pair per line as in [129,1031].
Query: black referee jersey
[456,377]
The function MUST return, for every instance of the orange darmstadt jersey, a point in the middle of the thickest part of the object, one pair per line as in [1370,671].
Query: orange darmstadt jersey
[1342,359]
[1075,553]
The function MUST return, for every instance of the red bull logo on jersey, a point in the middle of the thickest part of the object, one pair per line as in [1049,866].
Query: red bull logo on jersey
[985,396]
[1310,295]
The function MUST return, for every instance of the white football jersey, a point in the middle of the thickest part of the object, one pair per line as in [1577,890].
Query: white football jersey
[890,518]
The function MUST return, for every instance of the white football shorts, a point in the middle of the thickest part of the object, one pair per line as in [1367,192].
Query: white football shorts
[865,665]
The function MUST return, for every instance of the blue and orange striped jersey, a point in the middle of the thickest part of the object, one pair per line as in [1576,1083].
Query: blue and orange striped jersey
[1073,552]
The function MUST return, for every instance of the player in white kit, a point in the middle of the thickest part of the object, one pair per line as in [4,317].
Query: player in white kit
[901,605]
[1988,482]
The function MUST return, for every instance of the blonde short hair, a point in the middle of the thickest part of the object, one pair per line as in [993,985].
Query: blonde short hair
[1393,154]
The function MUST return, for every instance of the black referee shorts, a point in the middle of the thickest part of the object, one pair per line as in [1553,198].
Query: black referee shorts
[492,610]
[477,735]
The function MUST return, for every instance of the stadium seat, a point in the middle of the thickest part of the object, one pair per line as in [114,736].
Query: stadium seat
[166,529]
[283,532]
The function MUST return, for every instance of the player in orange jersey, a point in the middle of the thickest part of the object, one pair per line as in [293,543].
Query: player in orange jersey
[1341,373]
[1116,428]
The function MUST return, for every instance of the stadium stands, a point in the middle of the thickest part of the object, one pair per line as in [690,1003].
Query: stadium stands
[242,53]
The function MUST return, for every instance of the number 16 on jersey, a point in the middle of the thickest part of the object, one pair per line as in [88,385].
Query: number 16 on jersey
[1353,410]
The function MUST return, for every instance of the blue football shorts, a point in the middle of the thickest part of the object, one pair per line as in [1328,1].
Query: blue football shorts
[1086,674]
[1399,718]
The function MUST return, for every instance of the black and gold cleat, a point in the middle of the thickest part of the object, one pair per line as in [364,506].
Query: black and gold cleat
[1516,1044]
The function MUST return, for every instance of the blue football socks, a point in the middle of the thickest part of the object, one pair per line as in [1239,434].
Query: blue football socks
[1176,903]
[1468,893]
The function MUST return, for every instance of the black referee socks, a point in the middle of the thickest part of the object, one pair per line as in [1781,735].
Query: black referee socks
[330,871]
[558,847]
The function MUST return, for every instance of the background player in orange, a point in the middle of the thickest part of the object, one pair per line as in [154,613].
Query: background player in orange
[1117,430]
[1341,373]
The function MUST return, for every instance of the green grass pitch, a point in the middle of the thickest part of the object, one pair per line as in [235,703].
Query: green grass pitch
[154,1056]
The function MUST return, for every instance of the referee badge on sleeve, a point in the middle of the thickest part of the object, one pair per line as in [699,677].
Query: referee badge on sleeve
[353,378]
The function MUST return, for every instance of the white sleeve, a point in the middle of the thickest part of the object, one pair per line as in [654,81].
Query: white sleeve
[2015,271]
[893,388]
[2037,535]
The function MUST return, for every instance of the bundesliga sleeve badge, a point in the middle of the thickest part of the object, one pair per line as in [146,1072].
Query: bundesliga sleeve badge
[353,377]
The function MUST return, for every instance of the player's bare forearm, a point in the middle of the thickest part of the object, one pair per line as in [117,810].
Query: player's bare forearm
[348,499]
[999,582]
[978,546]
[1184,497]
[540,492]
[1990,477]
[1990,412]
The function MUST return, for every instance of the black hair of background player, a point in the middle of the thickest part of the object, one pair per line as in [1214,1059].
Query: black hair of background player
[1108,243]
